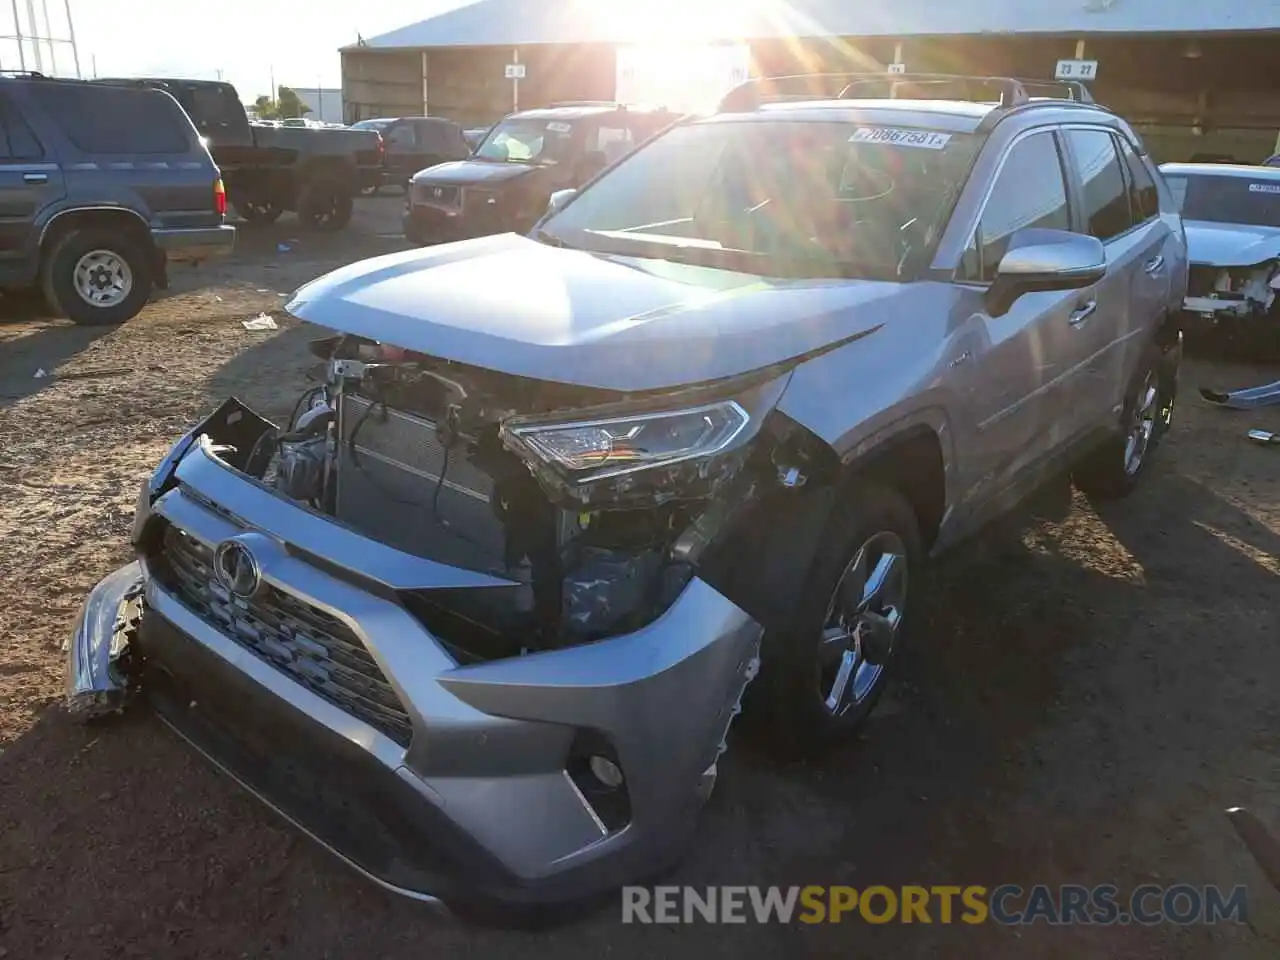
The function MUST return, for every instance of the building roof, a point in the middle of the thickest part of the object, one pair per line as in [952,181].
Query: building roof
[530,22]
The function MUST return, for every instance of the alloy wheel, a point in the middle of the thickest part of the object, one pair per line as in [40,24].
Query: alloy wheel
[864,619]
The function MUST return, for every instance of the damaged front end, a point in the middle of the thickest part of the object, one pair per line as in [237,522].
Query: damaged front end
[481,635]
[1227,294]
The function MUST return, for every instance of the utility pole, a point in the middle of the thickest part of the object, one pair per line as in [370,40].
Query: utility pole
[17,29]
[71,32]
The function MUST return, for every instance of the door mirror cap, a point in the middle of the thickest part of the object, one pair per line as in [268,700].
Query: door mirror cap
[1039,260]
[559,199]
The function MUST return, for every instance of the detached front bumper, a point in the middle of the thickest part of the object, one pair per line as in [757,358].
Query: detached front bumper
[488,799]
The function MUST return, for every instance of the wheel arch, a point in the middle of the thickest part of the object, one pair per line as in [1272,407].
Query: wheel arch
[912,459]
[76,218]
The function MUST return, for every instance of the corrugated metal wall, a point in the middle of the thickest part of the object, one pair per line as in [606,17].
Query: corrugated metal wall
[381,84]
[1214,96]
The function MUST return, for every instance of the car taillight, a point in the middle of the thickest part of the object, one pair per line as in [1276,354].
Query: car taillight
[219,198]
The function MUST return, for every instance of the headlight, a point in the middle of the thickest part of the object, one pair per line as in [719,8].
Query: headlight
[596,449]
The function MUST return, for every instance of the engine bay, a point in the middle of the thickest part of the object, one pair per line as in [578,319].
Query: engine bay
[417,453]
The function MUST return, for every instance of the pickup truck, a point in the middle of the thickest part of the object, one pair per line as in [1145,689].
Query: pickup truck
[270,169]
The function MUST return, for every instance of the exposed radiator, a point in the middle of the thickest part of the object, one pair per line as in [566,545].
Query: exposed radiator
[389,468]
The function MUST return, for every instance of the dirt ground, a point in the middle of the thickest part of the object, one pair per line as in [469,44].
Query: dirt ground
[1092,689]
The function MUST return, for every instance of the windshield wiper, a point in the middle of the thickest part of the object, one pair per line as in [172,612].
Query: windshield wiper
[550,239]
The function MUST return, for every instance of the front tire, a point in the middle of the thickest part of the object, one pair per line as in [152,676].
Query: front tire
[1113,470]
[822,674]
[98,277]
[259,212]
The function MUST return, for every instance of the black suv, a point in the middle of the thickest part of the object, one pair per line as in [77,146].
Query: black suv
[100,188]
[507,181]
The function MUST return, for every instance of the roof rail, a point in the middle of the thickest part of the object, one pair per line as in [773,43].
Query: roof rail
[586,103]
[1007,91]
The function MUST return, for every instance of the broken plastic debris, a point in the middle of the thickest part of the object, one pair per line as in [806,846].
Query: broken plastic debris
[262,321]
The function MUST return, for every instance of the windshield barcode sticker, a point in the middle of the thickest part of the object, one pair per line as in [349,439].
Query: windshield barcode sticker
[557,127]
[924,139]
[1264,188]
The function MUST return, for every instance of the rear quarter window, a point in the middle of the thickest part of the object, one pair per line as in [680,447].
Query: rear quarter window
[102,119]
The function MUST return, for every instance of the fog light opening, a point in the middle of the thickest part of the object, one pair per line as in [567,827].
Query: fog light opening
[606,771]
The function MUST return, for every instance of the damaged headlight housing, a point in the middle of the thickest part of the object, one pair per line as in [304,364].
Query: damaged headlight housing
[680,446]
[599,449]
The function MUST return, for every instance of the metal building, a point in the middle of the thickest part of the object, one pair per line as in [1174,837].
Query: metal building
[1198,78]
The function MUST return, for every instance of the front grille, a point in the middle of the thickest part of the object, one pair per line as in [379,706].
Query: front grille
[438,195]
[311,646]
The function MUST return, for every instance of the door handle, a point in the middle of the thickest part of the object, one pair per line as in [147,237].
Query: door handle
[1082,313]
[35,178]
[1154,264]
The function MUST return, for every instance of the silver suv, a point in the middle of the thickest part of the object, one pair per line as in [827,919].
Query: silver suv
[478,618]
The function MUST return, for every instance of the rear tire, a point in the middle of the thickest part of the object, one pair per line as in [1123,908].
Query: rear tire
[822,675]
[97,276]
[326,204]
[1113,470]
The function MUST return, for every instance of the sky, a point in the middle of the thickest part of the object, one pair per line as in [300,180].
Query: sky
[247,40]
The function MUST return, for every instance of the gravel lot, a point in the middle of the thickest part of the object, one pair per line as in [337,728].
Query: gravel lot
[1094,687]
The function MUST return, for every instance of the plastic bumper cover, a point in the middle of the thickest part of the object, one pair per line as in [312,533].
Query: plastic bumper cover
[481,805]
[99,638]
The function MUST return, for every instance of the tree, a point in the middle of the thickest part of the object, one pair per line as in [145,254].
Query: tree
[289,104]
[263,106]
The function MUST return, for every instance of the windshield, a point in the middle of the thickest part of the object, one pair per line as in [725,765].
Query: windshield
[776,198]
[378,125]
[1218,199]
[526,140]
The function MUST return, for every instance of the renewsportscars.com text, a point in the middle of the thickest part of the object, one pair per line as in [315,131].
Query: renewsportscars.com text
[1009,904]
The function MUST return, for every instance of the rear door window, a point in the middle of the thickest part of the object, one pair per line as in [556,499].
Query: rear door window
[1106,194]
[400,135]
[105,119]
[17,140]
[1144,200]
[615,142]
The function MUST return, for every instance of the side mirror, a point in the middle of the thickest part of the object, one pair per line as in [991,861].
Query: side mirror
[1039,260]
[559,199]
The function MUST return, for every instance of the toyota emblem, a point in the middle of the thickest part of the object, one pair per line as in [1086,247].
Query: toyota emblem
[237,569]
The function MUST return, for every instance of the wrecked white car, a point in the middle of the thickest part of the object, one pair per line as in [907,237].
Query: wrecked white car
[1231,214]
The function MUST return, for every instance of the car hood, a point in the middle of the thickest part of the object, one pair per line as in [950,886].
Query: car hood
[473,171]
[511,304]
[1229,244]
